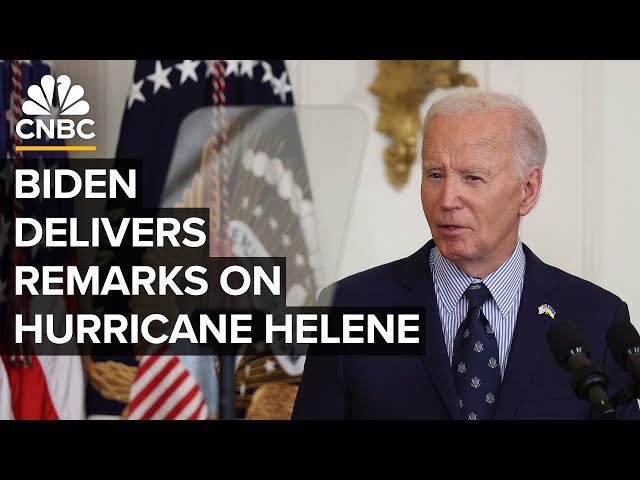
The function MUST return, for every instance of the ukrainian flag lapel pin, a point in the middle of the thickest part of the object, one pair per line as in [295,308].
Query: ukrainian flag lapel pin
[548,309]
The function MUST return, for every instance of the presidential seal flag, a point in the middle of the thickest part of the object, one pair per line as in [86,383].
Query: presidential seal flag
[221,134]
[33,385]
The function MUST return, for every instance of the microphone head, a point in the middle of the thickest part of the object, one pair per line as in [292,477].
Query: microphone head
[565,341]
[623,340]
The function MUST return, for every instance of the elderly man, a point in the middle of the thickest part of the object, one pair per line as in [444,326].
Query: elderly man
[489,301]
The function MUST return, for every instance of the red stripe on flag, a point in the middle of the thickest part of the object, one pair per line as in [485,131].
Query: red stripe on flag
[161,400]
[179,407]
[149,360]
[148,387]
[30,397]
[199,411]
[164,389]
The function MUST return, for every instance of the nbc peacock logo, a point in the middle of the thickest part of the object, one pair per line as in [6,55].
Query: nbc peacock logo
[46,123]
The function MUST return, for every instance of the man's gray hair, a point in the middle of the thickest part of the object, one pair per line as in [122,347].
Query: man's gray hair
[530,146]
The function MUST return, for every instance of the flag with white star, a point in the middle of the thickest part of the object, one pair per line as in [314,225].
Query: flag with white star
[164,92]
[164,97]
[52,386]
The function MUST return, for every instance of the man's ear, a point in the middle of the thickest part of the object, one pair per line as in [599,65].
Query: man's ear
[530,190]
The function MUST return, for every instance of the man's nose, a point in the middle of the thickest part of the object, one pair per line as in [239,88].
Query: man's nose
[450,194]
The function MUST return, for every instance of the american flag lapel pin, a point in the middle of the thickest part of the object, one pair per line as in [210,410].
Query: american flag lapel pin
[548,309]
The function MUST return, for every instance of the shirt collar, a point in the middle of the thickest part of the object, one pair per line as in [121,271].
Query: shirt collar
[503,283]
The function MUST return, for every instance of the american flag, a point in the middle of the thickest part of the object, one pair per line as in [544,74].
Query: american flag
[164,389]
[163,94]
[45,386]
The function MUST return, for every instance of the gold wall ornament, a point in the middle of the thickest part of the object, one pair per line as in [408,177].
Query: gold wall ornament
[402,86]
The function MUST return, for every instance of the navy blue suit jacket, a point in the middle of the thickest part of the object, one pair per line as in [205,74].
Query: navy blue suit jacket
[422,387]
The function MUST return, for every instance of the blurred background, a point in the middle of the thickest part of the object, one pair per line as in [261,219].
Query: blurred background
[355,189]
[586,220]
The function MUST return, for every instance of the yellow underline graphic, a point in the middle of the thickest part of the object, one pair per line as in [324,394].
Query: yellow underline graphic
[58,148]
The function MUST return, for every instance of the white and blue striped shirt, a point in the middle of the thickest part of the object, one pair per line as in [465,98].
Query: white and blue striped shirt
[501,310]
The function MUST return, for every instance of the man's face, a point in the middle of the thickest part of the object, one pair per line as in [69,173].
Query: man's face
[470,194]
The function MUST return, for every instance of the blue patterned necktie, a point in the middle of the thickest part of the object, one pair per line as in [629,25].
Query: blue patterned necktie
[475,364]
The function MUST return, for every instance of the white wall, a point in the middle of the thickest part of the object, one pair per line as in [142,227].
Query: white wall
[615,222]
[585,222]
[106,84]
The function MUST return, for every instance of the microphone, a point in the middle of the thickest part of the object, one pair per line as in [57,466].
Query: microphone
[589,381]
[624,343]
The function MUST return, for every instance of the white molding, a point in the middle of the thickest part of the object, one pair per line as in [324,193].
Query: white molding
[297,77]
[593,169]
[294,67]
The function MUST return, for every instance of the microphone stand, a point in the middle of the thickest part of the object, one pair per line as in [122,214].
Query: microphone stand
[623,397]
[606,411]
[632,392]
[590,383]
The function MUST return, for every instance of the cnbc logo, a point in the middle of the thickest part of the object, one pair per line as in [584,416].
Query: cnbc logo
[40,105]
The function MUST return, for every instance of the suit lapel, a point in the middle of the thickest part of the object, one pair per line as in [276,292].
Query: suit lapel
[525,353]
[417,277]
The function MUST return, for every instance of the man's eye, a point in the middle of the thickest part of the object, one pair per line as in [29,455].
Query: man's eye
[474,178]
[435,175]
